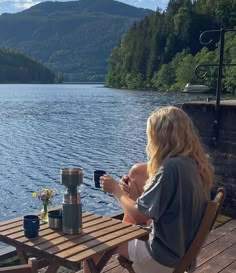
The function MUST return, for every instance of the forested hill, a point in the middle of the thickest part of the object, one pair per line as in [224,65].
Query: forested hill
[74,38]
[162,50]
[18,68]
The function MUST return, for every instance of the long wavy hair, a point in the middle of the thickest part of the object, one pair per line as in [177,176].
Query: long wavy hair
[170,133]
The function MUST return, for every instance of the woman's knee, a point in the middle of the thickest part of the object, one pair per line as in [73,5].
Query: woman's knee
[123,250]
[137,178]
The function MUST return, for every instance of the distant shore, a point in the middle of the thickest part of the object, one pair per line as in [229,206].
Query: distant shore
[83,82]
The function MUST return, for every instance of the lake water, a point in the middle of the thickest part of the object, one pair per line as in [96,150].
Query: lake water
[46,127]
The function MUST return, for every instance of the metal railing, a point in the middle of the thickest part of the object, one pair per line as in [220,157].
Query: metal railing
[221,38]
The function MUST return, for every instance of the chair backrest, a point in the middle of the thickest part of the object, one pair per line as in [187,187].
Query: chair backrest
[208,220]
[31,267]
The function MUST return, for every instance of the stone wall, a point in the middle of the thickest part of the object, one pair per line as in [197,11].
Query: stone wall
[222,149]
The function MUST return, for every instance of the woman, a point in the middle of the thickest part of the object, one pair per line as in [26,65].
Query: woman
[175,194]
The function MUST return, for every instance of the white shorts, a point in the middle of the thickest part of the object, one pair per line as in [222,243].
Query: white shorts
[142,260]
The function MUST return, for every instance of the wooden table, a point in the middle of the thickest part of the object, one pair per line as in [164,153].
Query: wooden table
[100,235]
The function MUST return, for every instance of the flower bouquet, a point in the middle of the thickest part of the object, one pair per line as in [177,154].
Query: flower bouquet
[44,195]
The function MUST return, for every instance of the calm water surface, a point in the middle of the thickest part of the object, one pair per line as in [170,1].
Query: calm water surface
[46,127]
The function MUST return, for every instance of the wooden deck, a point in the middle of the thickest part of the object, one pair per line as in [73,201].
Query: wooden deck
[219,251]
[217,256]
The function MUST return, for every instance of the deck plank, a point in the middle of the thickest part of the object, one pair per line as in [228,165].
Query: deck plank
[219,262]
[217,247]
[230,269]
[219,252]
[221,231]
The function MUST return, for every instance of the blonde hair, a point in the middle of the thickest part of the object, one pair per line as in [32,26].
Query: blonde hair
[170,133]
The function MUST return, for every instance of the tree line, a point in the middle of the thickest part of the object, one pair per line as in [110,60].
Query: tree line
[18,68]
[161,51]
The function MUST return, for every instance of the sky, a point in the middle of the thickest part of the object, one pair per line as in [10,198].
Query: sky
[13,6]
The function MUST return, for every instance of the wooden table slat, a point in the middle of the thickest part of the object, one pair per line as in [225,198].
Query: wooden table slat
[10,225]
[98,240]
[87,239]
[52,235]
[9,221]
[15,232]
[47,242]
[18,233]
[18,220]
[108,245]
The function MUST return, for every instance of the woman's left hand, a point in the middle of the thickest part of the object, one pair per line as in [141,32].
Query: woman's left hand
[124,184]
[107,183]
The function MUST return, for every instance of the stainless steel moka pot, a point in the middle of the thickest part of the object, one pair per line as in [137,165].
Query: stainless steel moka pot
[71,206]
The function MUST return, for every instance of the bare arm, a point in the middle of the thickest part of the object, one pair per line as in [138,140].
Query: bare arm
[128,205]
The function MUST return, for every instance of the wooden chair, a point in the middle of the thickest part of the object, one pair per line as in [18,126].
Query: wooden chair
[188,261]
[31,267]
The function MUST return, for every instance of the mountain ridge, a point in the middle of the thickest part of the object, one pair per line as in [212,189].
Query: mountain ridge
[74,37]
[111,7]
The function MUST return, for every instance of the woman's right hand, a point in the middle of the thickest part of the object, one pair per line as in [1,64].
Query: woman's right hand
[108,183]
[124,184]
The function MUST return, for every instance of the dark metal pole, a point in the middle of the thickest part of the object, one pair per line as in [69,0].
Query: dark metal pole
[220,67]
[218,87]
[220,64]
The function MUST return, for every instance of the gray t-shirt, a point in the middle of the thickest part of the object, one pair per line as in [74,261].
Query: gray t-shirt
[176,201]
